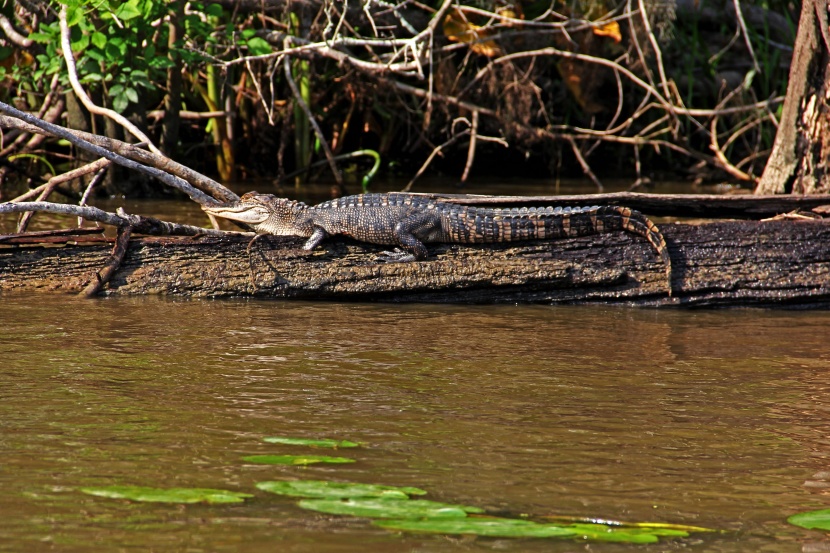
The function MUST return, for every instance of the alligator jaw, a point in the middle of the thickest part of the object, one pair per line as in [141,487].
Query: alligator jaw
[249,214]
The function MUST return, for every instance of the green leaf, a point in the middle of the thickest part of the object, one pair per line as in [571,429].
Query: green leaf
[214,10]
[389,508]
[131,94]
[258,46]
[601,532]
[74,15]
[120,102]
[169,495]
[158,62]
[117,89]
[80,44]
[140,78]
[493,527]
[295,459]
[94,54]
[91,78]
[41,38]
[325,442]
[128,10]
[114,53]
[517,528]
[336,490]
[247,33]
[819,520]
[99,40]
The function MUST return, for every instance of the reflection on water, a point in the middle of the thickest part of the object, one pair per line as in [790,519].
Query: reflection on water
[705,418]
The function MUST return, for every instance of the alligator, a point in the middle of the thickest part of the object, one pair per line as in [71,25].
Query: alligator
[410,221]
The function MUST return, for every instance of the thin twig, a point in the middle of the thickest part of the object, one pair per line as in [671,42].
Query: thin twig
[99,176]
[317,130]
[436,151]
[65,177]
[655,46]
[722,161]
[103,276]
[471,150]
[45,190]
[584,164]
[740,17]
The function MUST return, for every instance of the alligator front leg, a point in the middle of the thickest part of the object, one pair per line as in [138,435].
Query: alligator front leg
[396,256]
[316,238]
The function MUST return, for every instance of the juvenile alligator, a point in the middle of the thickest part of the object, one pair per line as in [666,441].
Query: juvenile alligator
[410,221]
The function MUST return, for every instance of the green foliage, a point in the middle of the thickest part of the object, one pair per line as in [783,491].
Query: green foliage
[120,48]
[389,508]
[396,511]
[492,527]
[295,459]
[818,520]
[334,444]
[336,490]
[168,495]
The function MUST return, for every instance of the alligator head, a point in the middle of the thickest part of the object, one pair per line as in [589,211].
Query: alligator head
[266,214]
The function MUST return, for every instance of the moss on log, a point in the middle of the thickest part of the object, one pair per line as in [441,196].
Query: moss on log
[735,263]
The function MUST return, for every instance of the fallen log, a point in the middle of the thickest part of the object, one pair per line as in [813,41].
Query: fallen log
[732,263]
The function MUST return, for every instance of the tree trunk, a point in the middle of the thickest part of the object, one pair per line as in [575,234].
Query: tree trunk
[173,96]
[738,263]
[799,160]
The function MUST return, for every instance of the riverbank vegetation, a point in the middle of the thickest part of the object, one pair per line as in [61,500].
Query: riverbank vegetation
[270,88]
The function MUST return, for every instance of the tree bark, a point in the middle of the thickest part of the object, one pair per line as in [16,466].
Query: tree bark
[173,96]
[798,163]
[738,263]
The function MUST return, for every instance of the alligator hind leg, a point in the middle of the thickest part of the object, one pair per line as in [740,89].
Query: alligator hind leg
[409,234]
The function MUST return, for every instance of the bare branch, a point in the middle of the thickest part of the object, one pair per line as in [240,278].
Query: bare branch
[12,34]
[196,195]
[66,46]
[141,224]
[29,123]
[119,249]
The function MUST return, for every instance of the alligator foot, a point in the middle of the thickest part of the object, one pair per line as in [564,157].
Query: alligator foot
[397,256]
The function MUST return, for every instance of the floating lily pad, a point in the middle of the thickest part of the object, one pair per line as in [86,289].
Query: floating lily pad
[168,495]
[334,444]
[336,490]
[601,532]
[389,508]
[517,528]
[295,459]
[818,520]
[648,526]
[493,527]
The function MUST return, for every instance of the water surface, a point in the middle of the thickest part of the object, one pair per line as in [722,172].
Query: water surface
[698,417]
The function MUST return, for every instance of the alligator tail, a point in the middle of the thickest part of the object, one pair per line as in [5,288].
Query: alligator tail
[510,225]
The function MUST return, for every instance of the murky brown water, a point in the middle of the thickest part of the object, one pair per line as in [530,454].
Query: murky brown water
[706,418]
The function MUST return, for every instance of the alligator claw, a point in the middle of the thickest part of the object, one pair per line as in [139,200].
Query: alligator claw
[397,256]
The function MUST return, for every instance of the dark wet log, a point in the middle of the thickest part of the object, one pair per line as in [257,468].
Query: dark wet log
[743,263]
